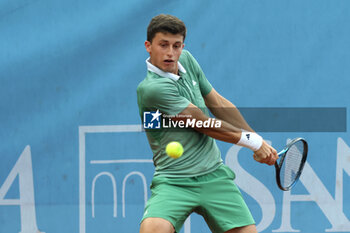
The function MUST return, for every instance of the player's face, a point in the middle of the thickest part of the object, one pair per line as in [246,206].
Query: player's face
[165,51]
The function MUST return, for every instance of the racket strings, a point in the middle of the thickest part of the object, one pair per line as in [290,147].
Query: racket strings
[291,165]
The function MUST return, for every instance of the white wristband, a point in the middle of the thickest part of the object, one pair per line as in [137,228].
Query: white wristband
[250,140]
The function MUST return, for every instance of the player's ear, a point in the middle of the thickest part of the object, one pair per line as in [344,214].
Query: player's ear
[148,45]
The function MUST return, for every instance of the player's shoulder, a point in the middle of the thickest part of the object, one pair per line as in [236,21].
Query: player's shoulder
[188,61]
[186,56]
[153,83]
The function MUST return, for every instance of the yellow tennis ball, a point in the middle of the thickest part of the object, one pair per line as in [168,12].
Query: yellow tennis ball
[174,150]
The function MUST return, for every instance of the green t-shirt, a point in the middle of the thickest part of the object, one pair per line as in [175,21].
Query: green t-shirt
[170,95]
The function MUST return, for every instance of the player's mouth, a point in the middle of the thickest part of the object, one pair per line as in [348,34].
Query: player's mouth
[169,62]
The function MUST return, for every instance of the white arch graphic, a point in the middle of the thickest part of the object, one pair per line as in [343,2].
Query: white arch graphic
[144,188]
[114,193]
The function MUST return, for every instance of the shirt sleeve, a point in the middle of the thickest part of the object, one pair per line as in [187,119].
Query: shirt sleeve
[164,96]
[204,84]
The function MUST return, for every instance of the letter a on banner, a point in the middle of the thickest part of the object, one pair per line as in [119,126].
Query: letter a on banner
[22,168]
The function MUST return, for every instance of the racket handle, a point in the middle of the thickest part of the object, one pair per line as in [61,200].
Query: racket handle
[282,152]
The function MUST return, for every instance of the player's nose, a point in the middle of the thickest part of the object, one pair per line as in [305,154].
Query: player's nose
[170,52]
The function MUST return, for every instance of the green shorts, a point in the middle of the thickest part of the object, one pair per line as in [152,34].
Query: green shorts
[214,196]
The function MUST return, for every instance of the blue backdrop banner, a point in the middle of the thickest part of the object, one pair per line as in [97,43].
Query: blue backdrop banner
[73,155]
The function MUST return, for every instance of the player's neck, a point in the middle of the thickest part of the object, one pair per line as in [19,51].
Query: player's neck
[176,71]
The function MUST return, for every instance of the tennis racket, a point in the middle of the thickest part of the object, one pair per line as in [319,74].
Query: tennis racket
[291,163]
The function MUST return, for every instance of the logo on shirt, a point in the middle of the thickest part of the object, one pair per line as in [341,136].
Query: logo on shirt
[151,120]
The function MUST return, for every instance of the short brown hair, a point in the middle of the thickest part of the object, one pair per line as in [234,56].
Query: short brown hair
[166,24]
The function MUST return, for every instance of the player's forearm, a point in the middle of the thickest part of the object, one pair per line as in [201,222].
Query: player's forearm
[219,129]
[224,131]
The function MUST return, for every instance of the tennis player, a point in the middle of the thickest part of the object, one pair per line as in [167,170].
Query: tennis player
[198,181]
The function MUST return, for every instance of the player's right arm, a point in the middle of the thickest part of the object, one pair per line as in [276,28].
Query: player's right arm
[232,122]
[227,133]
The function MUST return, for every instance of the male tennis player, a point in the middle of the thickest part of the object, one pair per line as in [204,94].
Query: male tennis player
[198,181]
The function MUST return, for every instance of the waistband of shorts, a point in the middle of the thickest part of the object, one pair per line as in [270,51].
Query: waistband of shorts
[222,172]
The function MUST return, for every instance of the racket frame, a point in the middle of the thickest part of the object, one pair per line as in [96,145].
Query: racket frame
[282,155]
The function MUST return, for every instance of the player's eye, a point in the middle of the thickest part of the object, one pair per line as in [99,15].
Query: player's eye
[177,46]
